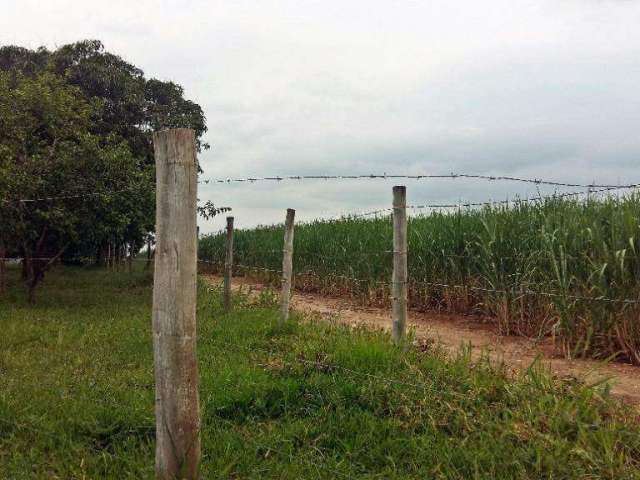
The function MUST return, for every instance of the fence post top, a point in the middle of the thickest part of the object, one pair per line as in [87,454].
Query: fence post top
[173,131]
[175,146]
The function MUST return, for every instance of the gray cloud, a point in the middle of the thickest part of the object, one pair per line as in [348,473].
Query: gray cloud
[544,89]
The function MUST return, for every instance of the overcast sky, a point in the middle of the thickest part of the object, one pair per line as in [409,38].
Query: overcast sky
[547,88]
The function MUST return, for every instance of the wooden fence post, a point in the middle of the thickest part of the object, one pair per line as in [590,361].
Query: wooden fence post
[228,266]
[174,307]
[287,265]
[399,279]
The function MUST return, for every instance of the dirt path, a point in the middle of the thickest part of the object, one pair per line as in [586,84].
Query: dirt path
[451,331]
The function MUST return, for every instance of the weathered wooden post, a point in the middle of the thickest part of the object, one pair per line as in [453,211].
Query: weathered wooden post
[174,307]
[228,266]
[399,279]
[287,265]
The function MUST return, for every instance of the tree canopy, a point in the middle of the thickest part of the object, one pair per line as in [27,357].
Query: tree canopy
[76,158]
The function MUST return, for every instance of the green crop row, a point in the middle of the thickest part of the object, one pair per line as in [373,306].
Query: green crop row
[556,267]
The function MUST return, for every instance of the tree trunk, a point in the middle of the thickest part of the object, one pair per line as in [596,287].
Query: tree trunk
[26,267]
[3,271]
[38,267]
[37,274]
[99,252]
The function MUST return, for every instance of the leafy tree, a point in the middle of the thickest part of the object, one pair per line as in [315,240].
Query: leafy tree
[23,60]
[75,121]
[49,155]
[132,106]
[209,210]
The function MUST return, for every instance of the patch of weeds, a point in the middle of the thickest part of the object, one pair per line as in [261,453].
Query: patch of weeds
[267,298]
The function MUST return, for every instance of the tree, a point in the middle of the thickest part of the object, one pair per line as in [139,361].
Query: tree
[41,120]
[58,181]
[76,124]
[132,106]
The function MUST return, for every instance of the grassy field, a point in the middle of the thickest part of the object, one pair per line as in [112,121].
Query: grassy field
[307,400]
[491,261]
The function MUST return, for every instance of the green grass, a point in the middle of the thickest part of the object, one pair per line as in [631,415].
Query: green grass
[307,400]
[565,247]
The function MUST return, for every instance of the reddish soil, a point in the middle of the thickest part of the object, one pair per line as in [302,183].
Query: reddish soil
[452,331]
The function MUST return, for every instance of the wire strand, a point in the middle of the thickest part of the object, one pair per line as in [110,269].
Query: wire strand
[516,288]
[535,181]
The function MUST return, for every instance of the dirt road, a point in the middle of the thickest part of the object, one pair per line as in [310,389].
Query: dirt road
[451,331]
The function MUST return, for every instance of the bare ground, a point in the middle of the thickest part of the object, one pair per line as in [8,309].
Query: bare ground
[452,331]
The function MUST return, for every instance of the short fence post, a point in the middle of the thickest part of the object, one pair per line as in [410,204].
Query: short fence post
[287,265]
[399,279]
[174,307]
[228,266]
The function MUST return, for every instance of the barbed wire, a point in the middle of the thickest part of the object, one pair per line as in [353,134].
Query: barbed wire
[74,196]
[517,289]
[67,197]
[369,176]
[420,253]
[538,198]
[62,259]
[536,181]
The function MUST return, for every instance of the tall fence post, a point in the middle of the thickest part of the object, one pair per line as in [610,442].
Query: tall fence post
[399,279]
[174,307]
[287,265]
[228,266]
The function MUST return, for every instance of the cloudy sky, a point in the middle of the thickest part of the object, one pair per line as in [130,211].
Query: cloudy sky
[542,88]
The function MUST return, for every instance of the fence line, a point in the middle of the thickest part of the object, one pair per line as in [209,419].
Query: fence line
[468,256]
[66,197]
[133,259]
[516,290]
[602,187]
[539,198]
[535,181]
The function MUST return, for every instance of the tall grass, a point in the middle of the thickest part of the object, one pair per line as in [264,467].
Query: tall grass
[487,261]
